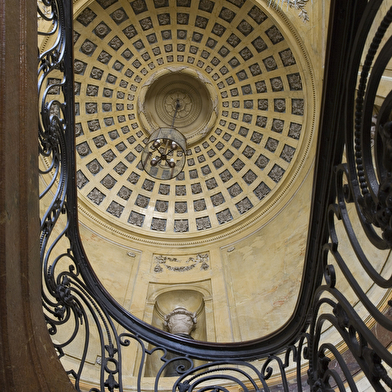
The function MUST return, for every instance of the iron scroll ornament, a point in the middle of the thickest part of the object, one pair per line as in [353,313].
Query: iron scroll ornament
[72,295]
[358,215]
[374,180]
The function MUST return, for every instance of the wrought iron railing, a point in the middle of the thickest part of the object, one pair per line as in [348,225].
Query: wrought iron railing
[336,334]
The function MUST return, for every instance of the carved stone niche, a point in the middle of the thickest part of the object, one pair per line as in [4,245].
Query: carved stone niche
[176,311]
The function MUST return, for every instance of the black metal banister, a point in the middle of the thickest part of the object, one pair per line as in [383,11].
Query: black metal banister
[349,175]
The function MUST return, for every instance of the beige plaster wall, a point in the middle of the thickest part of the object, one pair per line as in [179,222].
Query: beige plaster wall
[264,271]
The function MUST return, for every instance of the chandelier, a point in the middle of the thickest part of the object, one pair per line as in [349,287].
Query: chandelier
[163,157]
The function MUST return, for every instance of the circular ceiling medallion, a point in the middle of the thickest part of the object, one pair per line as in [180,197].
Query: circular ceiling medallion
[197,97]
[247,111]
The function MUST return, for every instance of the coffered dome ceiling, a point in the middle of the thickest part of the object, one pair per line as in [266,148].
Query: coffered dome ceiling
[247,110]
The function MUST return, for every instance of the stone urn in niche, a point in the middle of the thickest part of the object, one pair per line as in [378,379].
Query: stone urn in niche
[179,322]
